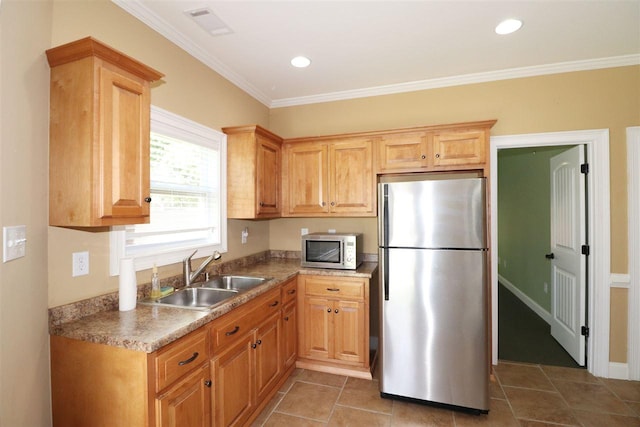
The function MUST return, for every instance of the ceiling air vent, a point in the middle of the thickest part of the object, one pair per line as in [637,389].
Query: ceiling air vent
[208,21]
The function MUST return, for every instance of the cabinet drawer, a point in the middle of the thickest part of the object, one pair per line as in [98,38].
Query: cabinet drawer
[181,357]
[342,288]
[243,319]
[289,291]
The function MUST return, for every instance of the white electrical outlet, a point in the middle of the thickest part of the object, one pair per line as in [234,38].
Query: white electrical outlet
[80,264]
[304,231]
[245,234]
[15,242]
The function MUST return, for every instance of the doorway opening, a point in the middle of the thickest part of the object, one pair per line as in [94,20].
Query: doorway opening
[598,270]
[541,273]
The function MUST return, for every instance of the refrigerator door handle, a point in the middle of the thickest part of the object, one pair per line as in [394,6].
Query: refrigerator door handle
[385,240]
[385,273]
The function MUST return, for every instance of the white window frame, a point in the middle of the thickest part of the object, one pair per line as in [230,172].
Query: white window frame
[169,124]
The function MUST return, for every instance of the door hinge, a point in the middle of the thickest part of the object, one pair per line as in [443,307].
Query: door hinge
[584,331]
[585,249]
[584,168]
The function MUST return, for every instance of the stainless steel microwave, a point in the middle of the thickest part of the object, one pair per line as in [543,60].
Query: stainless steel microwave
[332,250]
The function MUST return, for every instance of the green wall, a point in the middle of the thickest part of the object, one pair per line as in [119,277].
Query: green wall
[524,220]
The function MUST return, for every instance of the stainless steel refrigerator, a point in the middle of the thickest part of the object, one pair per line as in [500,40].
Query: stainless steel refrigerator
[433,302]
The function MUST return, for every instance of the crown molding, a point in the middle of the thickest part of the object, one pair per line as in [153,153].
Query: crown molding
[151,19]
[512,73]
[155,22]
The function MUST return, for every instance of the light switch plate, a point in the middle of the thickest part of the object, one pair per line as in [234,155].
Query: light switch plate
[14,240]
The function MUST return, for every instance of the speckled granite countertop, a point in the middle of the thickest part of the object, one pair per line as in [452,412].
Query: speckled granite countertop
[148,328]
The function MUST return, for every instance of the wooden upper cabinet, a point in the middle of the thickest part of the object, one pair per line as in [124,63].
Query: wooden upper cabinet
[331,177]
[254,158]
[351,177]
[453,148]
[403,151]
[307,180]
[99,136]
[434,148]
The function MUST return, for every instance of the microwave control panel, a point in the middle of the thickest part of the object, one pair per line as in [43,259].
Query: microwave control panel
[350,252]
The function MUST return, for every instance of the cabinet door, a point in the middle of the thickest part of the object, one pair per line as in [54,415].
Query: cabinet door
[349,331]
[268,177]
[289,334]
[403,151]
[316,337]
[233,384]
[459,148]
[307,187]
[351,177]
[268,355]
[121,168]
[187,403]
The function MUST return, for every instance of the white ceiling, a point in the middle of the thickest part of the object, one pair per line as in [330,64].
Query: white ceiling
[364,48]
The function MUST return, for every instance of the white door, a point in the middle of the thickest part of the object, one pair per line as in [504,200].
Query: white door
[568,225]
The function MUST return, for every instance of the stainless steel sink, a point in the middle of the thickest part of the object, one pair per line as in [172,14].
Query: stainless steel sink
[194,298]
[205,296]
[236,283]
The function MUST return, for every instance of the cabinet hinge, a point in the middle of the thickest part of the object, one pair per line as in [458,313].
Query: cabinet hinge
[585,250]
[584,168]
[585,331]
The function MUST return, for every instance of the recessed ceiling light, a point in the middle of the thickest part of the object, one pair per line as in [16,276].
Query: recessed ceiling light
[508,26]
[300,62]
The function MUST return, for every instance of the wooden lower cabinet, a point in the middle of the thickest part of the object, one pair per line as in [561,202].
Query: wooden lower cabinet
[233,384]
[289,334]
[269,360]
[248,368]
[334,324]
[349,343]
[187,403]
[246,373]
[222,374]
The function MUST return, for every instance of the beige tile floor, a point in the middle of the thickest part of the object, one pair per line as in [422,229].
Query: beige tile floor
[521,395]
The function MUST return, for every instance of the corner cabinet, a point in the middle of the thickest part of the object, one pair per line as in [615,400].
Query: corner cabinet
[254,157]
[334,324]
[98,136]
[329,177]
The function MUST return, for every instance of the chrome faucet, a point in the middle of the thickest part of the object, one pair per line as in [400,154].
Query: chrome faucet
[190,276]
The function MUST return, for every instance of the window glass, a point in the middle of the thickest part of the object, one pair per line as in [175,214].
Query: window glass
[188,207]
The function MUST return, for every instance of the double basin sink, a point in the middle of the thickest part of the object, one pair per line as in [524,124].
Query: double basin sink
[206,295]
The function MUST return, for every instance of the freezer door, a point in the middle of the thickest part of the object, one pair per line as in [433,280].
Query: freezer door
[432,214]
[434,327]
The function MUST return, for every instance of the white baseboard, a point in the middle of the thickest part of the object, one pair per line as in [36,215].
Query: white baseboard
[619,371]
[544,314]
